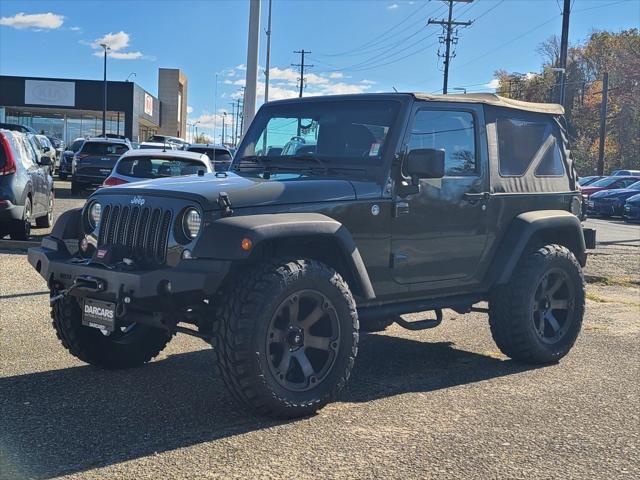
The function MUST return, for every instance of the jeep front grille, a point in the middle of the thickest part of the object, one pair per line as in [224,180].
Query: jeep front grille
[139,233]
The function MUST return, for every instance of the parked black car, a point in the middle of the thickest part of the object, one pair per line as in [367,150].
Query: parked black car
[66,161]
[632,209]
[403,203]
[219,155]
[607,203]
[26,187]
[93,163]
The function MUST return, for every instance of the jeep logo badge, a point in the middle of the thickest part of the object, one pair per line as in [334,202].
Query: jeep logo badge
[137,200]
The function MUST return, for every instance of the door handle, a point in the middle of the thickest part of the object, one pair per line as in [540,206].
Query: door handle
[474,197]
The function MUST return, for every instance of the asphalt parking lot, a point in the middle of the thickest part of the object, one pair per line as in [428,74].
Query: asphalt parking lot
[440,403]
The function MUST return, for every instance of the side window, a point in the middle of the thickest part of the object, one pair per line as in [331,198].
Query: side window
[451,131]
[521,141]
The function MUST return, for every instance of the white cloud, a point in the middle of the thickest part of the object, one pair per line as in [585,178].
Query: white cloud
[22,21]
[368,82]
[189,109]
[495,83]
[75,29]
[335,75]
[393,6]
[115,41]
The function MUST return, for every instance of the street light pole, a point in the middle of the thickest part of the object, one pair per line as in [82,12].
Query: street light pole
[104,104]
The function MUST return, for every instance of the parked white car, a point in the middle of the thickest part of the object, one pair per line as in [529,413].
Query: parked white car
[157,146]
[138,165]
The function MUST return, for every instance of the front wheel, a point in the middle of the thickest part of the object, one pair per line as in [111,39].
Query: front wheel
[286,337]
[536,317]
[127,347]
[46,221]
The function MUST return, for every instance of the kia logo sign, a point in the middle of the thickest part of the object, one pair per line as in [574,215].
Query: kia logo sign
[148,104]
[46,92]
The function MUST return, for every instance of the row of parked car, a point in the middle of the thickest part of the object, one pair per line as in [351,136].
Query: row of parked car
[28,162]
[614,195]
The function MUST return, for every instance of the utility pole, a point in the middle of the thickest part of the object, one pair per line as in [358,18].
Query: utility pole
[224,118]
[253,44]
[104,99]
[302,67]
[237,131]
[266,70]
[449,38]
[215,110]
[234,123]
[603,122]
[564,48]
[242,117]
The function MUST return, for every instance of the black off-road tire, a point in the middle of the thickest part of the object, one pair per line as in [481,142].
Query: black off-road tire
[21,229]
[46,221]
[372,325]
[513,311]
[245,311]
[116,351]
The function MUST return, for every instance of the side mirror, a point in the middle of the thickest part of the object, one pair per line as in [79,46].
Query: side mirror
[44,161]
[425,163]
[46,149]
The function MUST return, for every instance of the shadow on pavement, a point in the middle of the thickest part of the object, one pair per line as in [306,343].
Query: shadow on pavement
[75,419]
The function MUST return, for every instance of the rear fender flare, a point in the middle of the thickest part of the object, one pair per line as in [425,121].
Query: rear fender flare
[546,226]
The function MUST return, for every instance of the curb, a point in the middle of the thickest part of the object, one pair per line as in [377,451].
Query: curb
[18,244]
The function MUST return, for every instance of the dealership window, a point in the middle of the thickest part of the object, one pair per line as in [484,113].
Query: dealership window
[451,131]
[521,141]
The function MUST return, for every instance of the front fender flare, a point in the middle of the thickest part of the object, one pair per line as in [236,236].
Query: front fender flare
[222,238]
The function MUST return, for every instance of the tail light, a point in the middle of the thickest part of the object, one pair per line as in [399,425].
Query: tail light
[9,166]
[112,181]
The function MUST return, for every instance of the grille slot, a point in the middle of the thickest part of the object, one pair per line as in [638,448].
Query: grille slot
[140,233]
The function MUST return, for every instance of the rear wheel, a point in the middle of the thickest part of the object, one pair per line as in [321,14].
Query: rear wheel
[21,229]
[127,347]
[47,220]
[286,337]
[537,316]
[62,175]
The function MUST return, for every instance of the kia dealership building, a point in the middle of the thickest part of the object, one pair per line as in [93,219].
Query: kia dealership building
[69,108]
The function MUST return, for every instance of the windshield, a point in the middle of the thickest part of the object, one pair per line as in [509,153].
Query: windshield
[340,133]
[605,182]
[634,186]
[104,148]
[150,167]
[213,153]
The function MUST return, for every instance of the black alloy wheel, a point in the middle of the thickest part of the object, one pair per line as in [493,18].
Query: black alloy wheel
[553,306]
[302,340]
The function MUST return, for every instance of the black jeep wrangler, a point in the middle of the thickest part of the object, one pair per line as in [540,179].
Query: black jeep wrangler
[339,215]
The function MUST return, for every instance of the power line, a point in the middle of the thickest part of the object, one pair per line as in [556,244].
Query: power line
[376,39]
[510,41]
[450,38]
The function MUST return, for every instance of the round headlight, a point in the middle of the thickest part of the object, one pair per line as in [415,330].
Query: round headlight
[94,214]
[191,221]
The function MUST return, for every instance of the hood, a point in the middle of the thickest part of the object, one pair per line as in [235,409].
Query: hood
[589,190]
[635,200]
[242,191]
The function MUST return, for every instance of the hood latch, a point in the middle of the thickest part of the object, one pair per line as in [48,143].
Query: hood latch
[225,204]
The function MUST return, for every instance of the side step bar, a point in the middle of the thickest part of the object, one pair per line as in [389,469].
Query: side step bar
[459,303]
[421,324]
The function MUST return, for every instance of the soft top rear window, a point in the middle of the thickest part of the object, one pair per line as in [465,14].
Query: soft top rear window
[152,167]
[104,148]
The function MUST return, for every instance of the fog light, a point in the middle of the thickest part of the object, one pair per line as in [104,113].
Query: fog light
[186,254]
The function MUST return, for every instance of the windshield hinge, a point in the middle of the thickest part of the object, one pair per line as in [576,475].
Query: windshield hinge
[225,204]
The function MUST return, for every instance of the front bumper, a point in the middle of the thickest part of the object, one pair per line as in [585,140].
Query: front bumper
[200,277]
[93,180]
[631,214]
[603,208]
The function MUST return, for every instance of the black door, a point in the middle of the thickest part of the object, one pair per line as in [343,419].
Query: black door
[440,234]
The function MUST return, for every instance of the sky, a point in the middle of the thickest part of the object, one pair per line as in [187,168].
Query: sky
[356,46]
